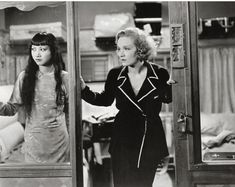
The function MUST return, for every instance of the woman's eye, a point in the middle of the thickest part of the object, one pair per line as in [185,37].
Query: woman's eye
[43,49]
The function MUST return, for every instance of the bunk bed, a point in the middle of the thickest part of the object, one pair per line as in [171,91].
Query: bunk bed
[218,137]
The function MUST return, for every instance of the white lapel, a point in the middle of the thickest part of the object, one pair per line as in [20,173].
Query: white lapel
[151,75]
[125,89]
[148,87]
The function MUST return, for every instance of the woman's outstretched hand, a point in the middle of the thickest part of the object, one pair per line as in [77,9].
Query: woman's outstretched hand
[83,84]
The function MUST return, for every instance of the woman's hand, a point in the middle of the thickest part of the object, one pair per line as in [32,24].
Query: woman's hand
[83,84]
[164,164]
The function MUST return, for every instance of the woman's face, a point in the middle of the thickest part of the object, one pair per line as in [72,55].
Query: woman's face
[41,54]
[126,51]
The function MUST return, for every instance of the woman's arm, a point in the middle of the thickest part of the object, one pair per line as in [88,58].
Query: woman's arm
[104,98]
[65,78]
[166,93]
[66,111]
[8,109]
[11,107]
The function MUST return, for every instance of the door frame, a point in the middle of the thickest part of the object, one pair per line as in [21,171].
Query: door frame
[75,108]
[189,169]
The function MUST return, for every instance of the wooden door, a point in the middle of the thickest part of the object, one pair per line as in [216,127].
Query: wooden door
[191,171]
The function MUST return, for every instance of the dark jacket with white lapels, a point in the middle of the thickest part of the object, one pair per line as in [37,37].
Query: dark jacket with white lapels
[137,124]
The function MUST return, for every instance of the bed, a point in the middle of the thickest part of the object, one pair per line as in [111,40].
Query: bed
[218,137]
[11,132]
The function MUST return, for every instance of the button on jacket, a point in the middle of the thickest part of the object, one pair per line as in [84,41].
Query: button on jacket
[137,125]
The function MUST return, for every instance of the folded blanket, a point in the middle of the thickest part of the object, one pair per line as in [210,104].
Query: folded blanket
[225,135]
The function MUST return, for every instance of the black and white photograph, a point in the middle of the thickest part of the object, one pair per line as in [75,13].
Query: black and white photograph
[117,93]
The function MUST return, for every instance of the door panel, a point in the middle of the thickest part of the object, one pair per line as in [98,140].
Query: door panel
[191,168]
[216,82]
[179,91]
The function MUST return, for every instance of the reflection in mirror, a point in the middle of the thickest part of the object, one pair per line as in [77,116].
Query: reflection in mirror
[98,56]
[217,79]
[33,83]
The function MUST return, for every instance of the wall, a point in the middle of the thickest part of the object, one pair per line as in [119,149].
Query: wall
[216,9]
[212,33]
[2,19]
[88,10]
[41,14]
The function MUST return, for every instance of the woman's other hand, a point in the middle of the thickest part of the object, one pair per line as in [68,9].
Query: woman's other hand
[83,84]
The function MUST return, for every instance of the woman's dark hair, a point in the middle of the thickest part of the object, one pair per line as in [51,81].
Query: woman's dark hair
[30,78]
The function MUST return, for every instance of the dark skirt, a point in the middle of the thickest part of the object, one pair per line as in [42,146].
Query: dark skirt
[125,171]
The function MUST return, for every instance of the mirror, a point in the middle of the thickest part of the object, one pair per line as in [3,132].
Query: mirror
[217,79]
[43,144]
[98,56]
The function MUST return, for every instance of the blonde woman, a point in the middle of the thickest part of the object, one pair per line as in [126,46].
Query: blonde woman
[139,87]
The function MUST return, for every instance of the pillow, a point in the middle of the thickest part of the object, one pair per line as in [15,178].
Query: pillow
[5,94]
[228,120]
[211,123]
[7,120]
[10,137]
[215,123]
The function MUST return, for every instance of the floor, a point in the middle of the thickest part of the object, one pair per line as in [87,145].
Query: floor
[102,177]
[165,180]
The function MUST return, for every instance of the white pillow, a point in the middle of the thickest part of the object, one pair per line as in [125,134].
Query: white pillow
[10,136]
[228,120]
[5,94]
[215,123]
[211,123]
[7,120]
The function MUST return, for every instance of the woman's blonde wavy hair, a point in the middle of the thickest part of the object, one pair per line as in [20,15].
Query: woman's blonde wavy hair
[146,48]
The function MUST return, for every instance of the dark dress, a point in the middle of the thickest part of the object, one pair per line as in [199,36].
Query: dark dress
[138,142]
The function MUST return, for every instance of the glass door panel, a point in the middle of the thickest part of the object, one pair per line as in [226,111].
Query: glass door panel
[216,53]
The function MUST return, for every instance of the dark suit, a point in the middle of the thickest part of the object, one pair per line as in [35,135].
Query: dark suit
[138,131]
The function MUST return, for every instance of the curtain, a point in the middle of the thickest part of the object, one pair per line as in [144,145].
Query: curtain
[217,79]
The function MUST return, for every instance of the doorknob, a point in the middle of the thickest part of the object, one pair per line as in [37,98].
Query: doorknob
[182,122]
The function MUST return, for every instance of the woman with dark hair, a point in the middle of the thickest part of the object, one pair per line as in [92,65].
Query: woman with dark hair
[138,143]
[42,91]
